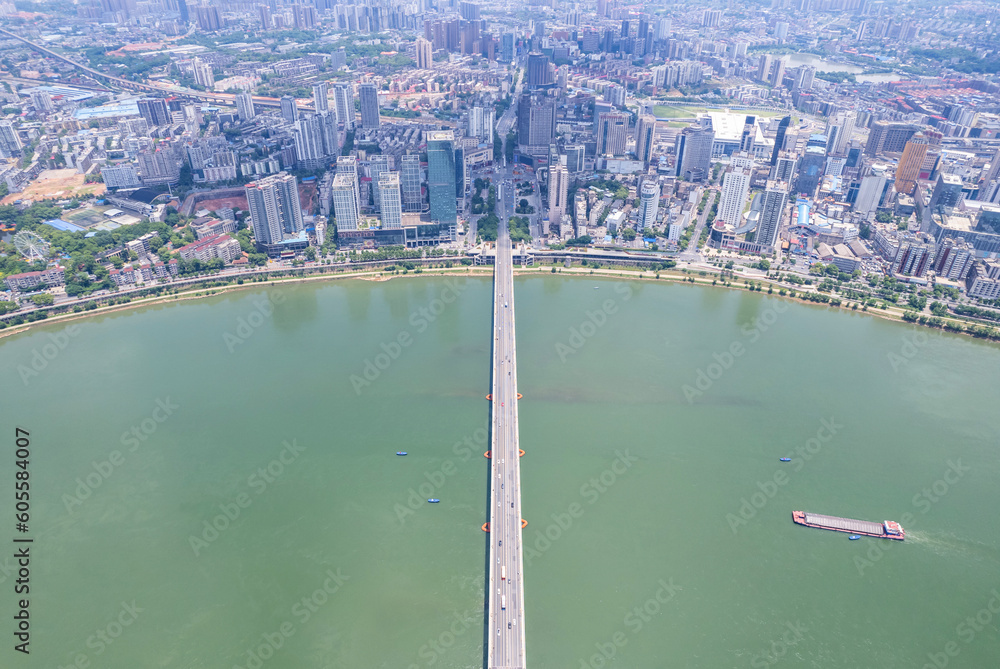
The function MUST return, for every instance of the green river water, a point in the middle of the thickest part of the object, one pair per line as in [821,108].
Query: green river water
[659,515]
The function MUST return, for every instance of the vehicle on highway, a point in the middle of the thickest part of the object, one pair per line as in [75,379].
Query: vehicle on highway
[503,602]
[503,573]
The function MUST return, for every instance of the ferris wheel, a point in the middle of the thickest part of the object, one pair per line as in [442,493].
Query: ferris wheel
[30,245]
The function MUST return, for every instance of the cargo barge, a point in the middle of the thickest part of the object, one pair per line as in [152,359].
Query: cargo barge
[887,529]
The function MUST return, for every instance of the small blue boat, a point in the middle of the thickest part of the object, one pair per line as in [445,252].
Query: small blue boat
[400,452]
[785,459]
[854,537]
[433,500]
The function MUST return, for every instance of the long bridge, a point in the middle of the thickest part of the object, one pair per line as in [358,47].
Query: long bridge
[505,619]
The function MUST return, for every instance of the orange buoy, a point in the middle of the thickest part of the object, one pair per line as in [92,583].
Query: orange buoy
[487,454]
[486,527]
[520,452]
[490,397]
[520,396]
[524,523]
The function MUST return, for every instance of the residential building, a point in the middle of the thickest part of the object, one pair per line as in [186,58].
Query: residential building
[154,111]
[244,106]
[343,97]
[391,200]
[289,109]
[274,207]
[735,186]
[345,202]
[368,94]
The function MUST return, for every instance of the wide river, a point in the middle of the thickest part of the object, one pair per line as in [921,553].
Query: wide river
[215,483]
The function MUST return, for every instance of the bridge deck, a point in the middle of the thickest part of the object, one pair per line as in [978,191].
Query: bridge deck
[505,623]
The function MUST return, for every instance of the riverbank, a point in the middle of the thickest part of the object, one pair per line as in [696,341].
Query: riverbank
[702,277]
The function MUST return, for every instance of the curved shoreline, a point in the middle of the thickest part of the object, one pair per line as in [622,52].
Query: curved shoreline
[690,276]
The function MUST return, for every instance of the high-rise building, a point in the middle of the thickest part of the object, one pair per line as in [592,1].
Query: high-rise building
[304,17]
[992,173]
[244,106]
[558,189]
[538,70]
[694,152]
[349,165]
[644,130]
[343,97]
[481,122]
[345,203]
[425,55]
[781,31]
[158,167]
[182,10]
[779,139]
[735,186]
[391,200]
[870,194]
[764,64]
[321,99]
[839,130]
[154,110]
[274,207]
[777,74]
[649,204]
[947,192]
[615,95]
[377,166]
[536,119]
[811,168]
[784,168]
[209,18]
[575,154]
[10,141]
[887,137]
[612,131]
[910,164]
[42,101]
[203,74]
[441,175]
[289,109]
[804,78]
[507,48]
[310,152]
[410,177]
[772,209]
[368,95]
